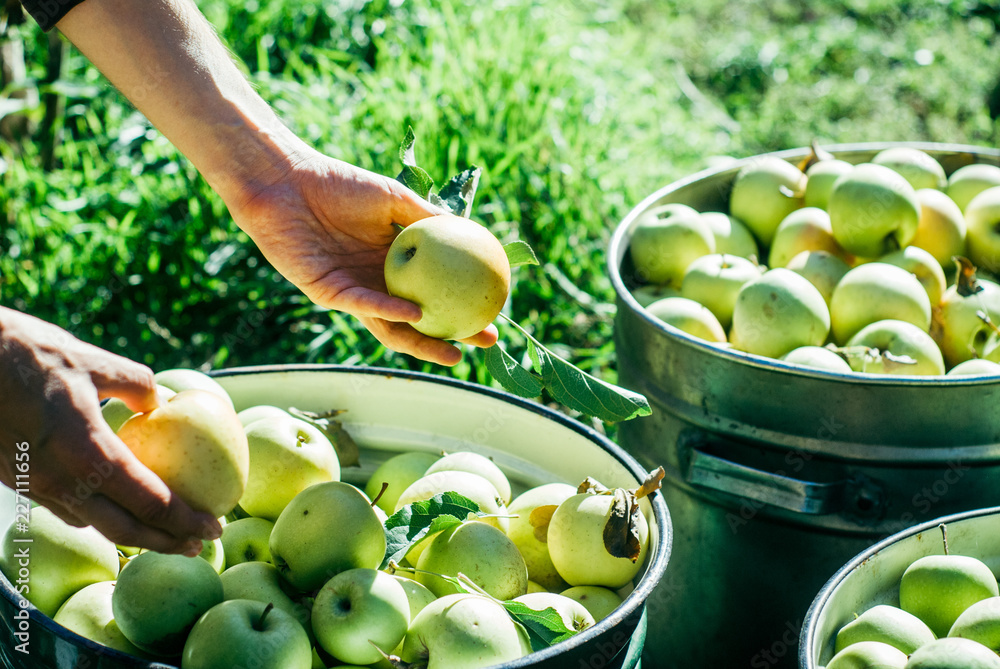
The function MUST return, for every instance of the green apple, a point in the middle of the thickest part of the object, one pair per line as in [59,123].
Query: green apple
[688,316]
[822,269]
[247,540]
[358,608]
[918,167]
[764,193]
[868,655]
[924,266]
[196,444]
[806,229]
[714,281]
[454,269]
[969,181]
[731,236]
[817,357]
[116,412]
[980,622]
[576,543]
[49,560]
[665,240]
[259,412]
[474,463]
[646,295]
[261,582]
[158,598]
[873,211]
[328,528]
[895,347]
[877,291]
[598,600]
[418,595]
[820,179]
[190,379]
[88,613]
[953,653]
[941,230]
[399,472]
[938,588]
[525,537]
[472,486]
[959,329]
[777,313]
[575,615]
[463,632]
[974,367]
[535,587]
[982,216]
[213,553]
[888,624]
[287,455]
[481,552]
[244,633]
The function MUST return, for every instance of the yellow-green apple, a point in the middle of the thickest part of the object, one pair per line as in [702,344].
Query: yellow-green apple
[688,316]
[196,444]
[600,601]
[261,582]
[888,624]
[817,357]
[991,349]
[779,312]
[714,281]
[575,615]
[980,622]
[116,412]
[49,560]
[526,536]
[158,598]
[895,347]
[982,216]
[938,588]
[88,613]
[463,632]
[731,236]
[969,181]
[454,269]
[398,472]
[358,612]
[953,653]
[417,594]
[535,587]
[959,329]
[467,484]
[873,211]
[245,633]
[975,367]
[649,293]
[822,269]
[191,379]
[918,167]
[213,553]
[287,455]
[806,229]
[247,540]
[820,179]
[877,291]
[326,529]
[664,242]
[260,411]
[474,463]
[764,193]
[868,655]
[577,545]
[481,552]
[924,266]
[941,230]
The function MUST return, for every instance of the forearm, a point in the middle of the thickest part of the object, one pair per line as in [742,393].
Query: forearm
[164,56]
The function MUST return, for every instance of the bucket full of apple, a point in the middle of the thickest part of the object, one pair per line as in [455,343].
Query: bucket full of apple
[818,332]
[372,518]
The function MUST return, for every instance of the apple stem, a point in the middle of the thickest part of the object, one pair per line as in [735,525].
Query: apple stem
[944,537]
[985,318]
[260,622]
[385,486]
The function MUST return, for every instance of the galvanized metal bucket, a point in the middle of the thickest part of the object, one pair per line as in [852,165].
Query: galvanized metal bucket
[777,474]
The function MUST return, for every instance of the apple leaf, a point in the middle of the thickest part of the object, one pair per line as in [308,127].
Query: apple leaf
[539,520]
[413,522]
[545,628]
[458,193]
[413,176]
[520,253]
[621,533]
[510,374]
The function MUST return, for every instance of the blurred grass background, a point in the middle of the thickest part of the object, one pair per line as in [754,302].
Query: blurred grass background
[575,111]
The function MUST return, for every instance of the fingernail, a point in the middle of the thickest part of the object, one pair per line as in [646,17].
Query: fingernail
[193,548]
[211,531]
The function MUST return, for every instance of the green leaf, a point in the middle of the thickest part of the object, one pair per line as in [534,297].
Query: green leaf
[510,374]
[407,148]
[413,176]
[415,521]
[458,193]
[545,628]
[520,253]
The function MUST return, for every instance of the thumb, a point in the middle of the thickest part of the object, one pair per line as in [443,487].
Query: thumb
[408,207]
[129,381]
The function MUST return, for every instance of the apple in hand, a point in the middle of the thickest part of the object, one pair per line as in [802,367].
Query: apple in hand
[481,552]
[953,653]
[941,230]
[877,291]
[261,582]
[191,379]
[88,613]
[969,181]
[245,633]
[688,316]
[61,559]
[888,624]
[764,193]
[731,236]
[598,600]
[817,357]
[895,347]
[399,472]
[196,444]
[665,240]
[873,211]
[868,655]
[715,280]
[806,229]
[474,463]
[454,269]
[534,551]
[938,588]
[358,608]
[982,216]
[328,528]
[247,540]
[918,167]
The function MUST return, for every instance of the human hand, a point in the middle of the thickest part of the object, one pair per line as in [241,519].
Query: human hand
[327,226]
[51,385]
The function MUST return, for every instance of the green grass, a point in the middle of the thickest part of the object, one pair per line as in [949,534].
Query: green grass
[575,111]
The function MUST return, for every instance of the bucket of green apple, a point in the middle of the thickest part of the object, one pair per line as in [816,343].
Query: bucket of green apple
[387,519]
[817,332]
[925,597]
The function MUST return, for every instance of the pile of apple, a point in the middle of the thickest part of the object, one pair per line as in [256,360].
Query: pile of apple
[301,576]
[948,618]
[836,266]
